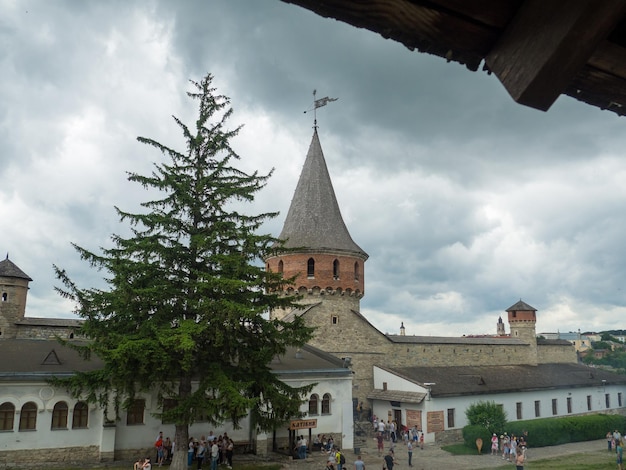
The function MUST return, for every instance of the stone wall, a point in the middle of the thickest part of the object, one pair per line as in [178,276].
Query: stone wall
[551,353]
[343,332]
[44,332]
[46,458]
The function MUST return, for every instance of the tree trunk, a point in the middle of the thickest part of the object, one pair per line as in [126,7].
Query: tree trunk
[179,461]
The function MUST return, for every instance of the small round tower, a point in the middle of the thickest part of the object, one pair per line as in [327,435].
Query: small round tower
[320,253]
[13,293]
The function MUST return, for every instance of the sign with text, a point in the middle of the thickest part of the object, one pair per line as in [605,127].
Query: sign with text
[434,421]
[414,418]
[302,424]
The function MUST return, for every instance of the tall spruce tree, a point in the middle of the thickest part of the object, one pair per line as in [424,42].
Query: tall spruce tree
[183,314]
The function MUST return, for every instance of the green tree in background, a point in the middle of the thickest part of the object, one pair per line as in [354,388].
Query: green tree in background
[184,312]
[487,414]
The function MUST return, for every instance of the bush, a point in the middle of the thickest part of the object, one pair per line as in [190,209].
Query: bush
[555,431]
[487,414]
[472,432]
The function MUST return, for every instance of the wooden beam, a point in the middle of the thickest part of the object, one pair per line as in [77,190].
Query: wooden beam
[547,43]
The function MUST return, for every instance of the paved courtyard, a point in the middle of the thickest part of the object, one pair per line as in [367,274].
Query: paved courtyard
[433,458]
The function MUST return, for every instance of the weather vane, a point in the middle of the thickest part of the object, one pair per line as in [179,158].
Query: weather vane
[318,104]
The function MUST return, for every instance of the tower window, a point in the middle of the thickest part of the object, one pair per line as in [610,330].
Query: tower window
[5,296]
[357,274]
[310,268]
[336,269]
[280,266]
[334,320]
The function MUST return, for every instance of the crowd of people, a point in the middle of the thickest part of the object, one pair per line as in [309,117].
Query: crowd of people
[210,449]
[615,443]
[512,448]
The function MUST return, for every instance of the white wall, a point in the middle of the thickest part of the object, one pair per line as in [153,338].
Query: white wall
[338,422]
[509,401]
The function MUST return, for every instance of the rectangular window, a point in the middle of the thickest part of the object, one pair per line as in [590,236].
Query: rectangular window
[554,407]
[134,415]
[619,399]
[537,408]
[450,417]
[168,405]
[569,404]
[518,408]
[607,399]
[588,402]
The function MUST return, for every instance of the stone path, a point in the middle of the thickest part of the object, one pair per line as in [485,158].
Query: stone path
[433,458]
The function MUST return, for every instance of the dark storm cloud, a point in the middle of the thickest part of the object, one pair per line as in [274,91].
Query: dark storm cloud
[464,200]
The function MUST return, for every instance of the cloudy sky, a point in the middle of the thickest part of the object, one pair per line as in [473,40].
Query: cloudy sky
[464,200]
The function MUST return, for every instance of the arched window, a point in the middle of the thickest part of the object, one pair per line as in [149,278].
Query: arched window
[5,296]
[357,274]
[310,268]
[80,417]
[280,266]
[28,417]
[313,403]
[7,416]
[326,404]
[59,415]
[336,269]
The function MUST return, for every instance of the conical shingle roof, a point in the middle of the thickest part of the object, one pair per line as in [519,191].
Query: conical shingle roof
[9,269]
[314,220]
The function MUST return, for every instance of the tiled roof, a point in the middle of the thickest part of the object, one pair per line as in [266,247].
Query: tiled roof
[476,380]
[521,305]
[396,395]
[495,340]
[30,357]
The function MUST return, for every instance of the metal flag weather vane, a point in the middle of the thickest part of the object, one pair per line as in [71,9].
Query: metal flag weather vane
[318,104]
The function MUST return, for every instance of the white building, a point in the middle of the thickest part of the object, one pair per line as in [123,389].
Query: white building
[40,423]
[435,398]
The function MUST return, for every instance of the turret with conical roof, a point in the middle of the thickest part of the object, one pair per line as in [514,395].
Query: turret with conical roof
[322,254]
[13,292]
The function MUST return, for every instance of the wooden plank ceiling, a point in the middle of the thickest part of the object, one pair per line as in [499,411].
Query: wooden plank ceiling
[538,49]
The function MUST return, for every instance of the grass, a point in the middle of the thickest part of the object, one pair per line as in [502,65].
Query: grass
[598,460]
[586,461]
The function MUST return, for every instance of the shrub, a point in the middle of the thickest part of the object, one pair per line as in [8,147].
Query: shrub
[555,431]
[471,432]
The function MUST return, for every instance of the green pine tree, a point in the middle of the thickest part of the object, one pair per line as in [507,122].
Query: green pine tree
[184,311]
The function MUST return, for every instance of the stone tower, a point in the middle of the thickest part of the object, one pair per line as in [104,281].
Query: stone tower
[13,293]
[327,263]
[522,321]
